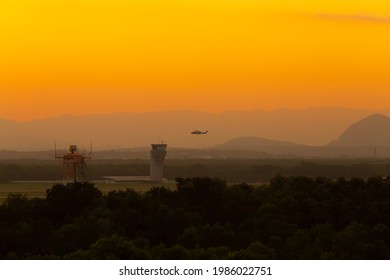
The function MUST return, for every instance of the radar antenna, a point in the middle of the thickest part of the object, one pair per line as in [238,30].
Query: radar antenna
[74,163]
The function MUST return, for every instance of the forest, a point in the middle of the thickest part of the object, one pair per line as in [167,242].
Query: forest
[231,170]
[293,217]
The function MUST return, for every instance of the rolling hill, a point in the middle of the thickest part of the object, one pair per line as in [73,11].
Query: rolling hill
[373,130]
[312,126]
[117,135]
[254,144]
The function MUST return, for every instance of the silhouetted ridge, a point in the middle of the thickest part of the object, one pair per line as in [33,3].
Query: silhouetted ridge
[254,143]
[373,130]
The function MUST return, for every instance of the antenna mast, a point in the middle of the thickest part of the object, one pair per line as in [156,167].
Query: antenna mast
[74,164]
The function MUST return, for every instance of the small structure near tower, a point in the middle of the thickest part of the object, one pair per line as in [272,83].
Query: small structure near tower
[157,157]
[74,164]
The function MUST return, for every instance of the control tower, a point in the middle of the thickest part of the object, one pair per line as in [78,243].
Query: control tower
[157,157]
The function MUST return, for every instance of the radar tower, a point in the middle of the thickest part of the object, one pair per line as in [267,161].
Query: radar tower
[74,164]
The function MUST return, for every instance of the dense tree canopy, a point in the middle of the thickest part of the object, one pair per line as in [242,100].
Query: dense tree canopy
[203,218]
[230,169]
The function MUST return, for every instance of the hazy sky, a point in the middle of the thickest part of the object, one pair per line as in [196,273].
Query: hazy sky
[102,56]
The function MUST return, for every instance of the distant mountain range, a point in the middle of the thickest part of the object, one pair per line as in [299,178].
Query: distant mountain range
[254,143]
[373,130]
[309,132]
[369,137]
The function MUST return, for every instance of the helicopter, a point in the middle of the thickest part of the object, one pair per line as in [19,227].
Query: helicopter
[198,132]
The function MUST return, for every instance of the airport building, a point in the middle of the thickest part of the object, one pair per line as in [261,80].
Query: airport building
[157,158]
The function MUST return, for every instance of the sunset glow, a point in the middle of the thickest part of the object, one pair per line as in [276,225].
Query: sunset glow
[95,56]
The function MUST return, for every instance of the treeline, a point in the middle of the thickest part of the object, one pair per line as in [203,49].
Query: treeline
[203,218]
[232,170]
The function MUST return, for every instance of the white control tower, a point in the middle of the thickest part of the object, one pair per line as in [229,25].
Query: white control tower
[157,157]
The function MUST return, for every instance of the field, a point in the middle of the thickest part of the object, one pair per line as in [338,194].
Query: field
[34,177]
[38,189]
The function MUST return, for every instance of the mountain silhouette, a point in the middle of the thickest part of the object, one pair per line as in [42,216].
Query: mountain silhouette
[373,130]
[255,144]
[312,126]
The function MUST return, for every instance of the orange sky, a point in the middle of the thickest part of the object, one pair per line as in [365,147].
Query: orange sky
[100,56]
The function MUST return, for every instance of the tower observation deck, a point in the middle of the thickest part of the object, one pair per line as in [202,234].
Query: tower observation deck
[157,157]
